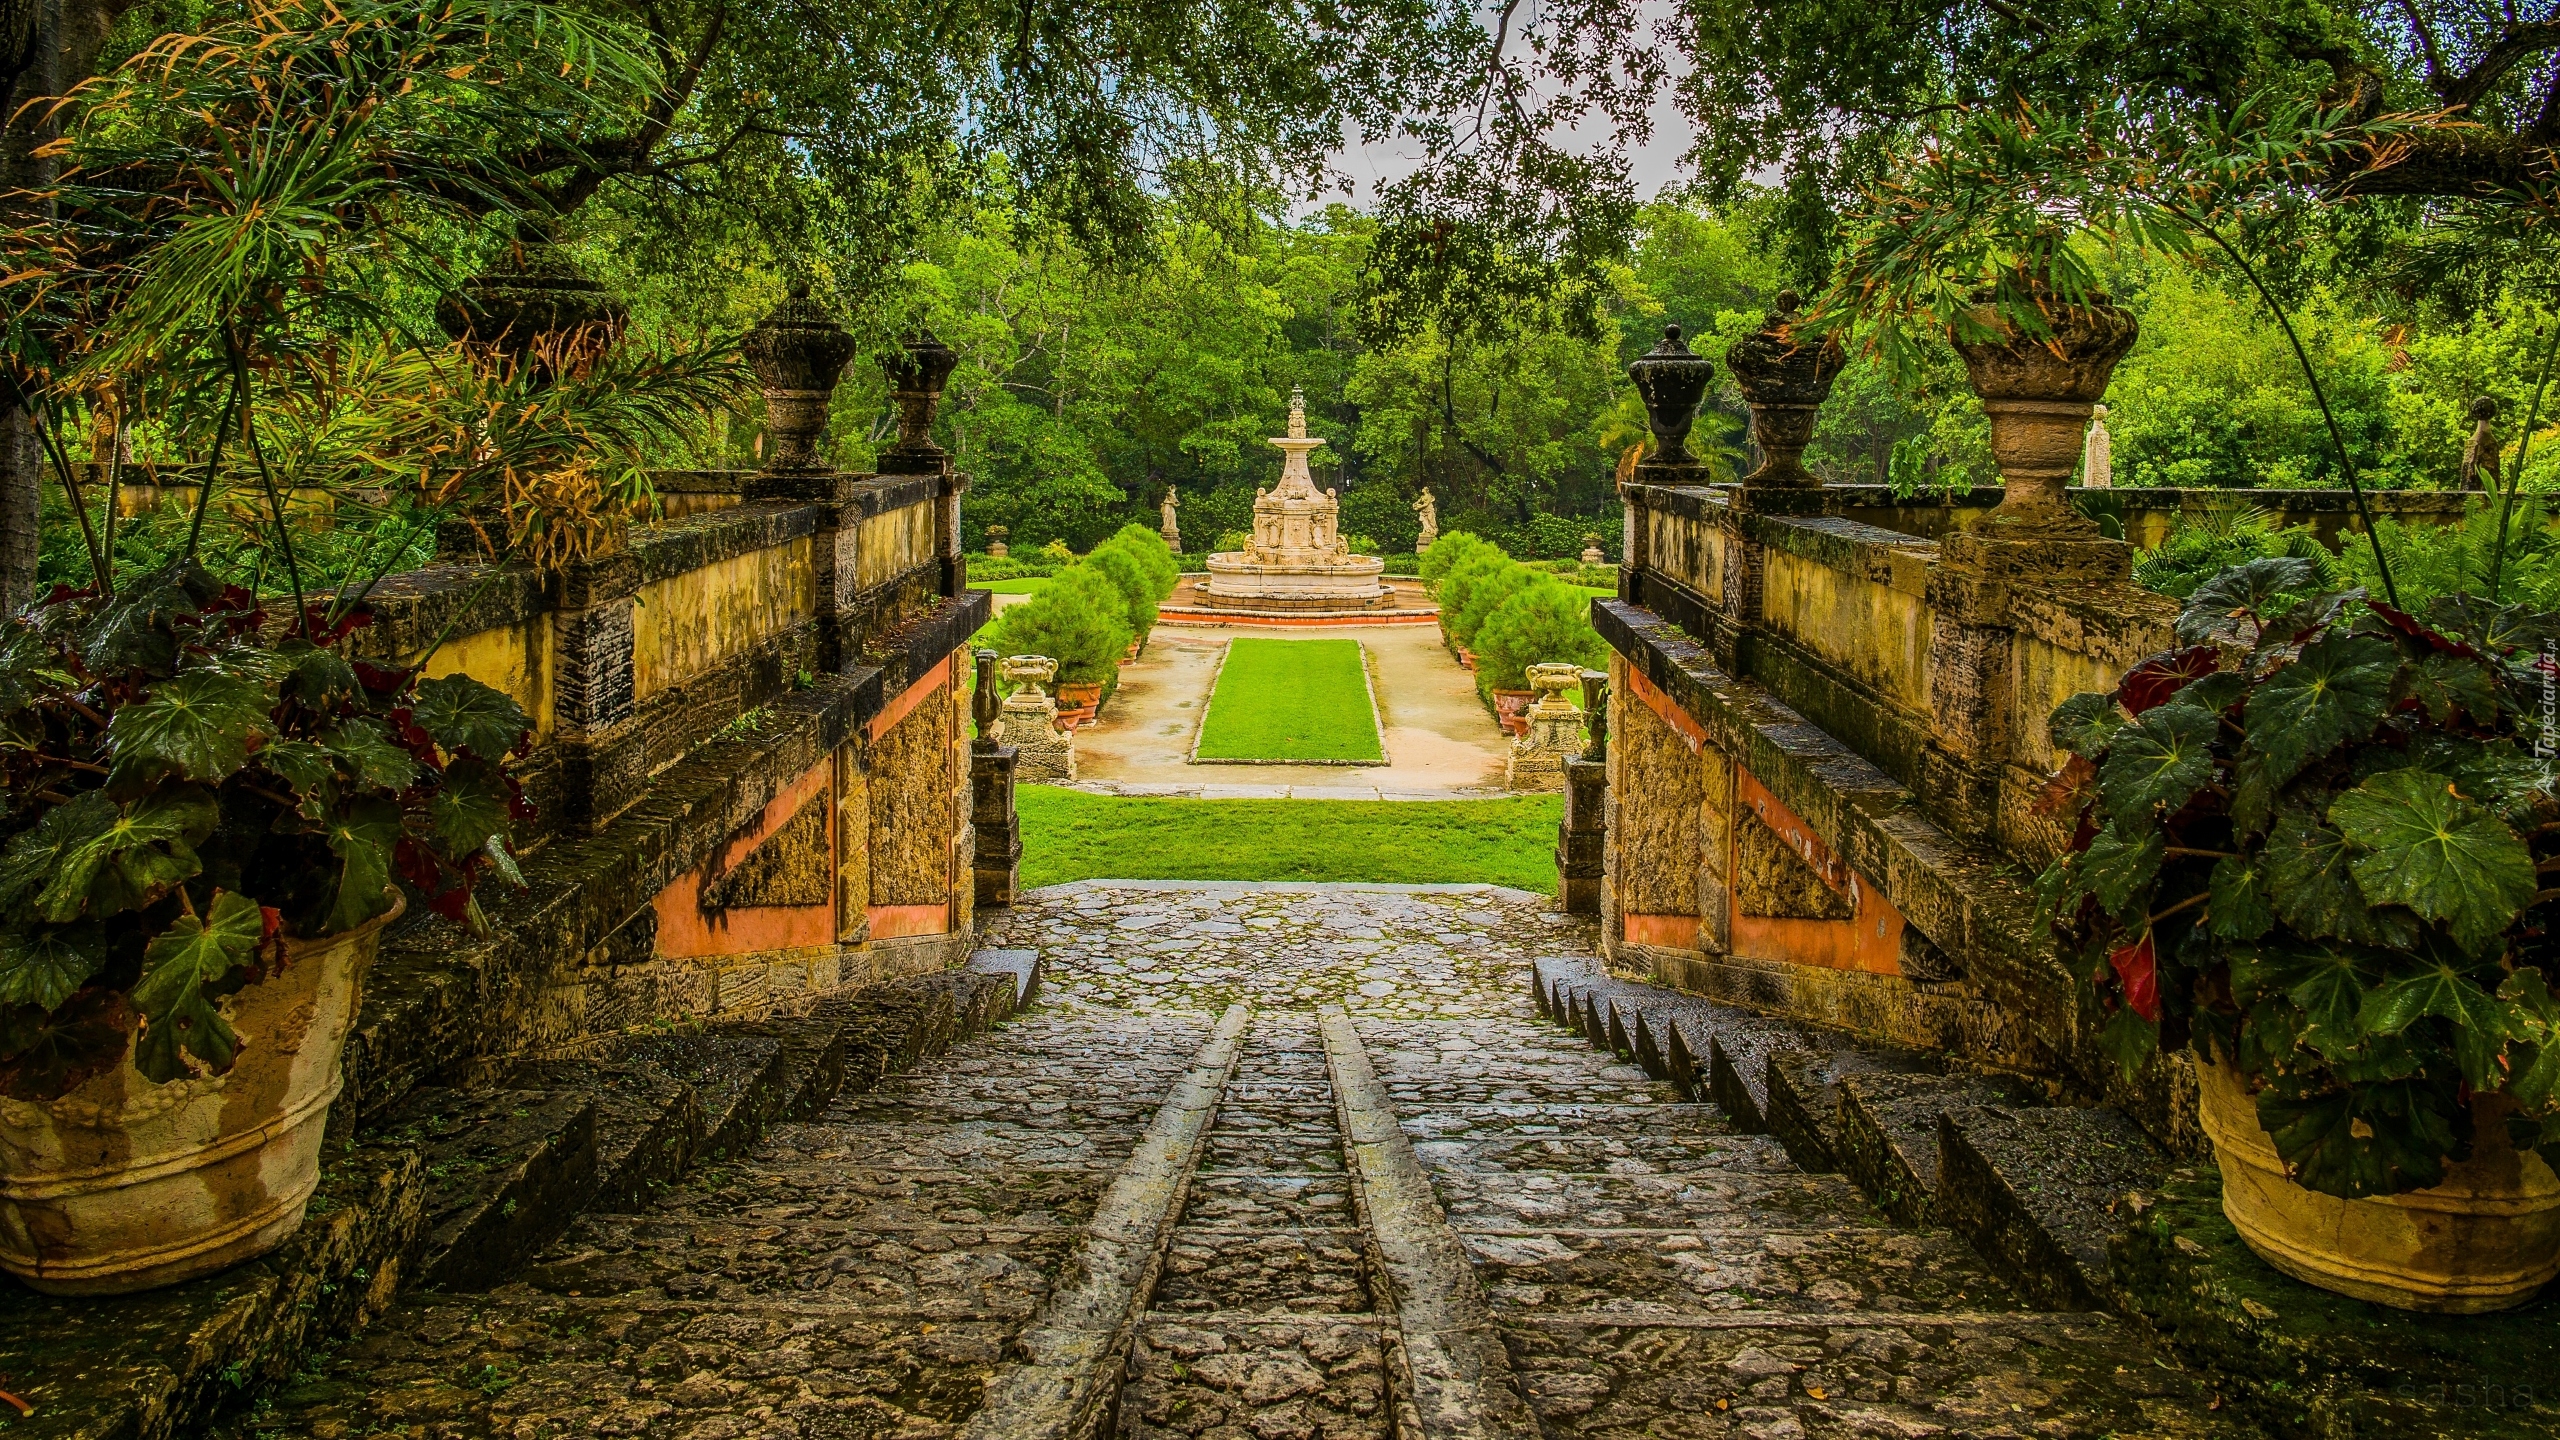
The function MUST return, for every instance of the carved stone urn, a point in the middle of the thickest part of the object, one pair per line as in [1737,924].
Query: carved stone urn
[2039,392]
[798,353]
[534,304]
[917,374]
[1671,380]
[1785,380]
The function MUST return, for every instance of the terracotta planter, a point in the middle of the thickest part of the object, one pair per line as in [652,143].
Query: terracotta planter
[1079,697]
[1511,707]
[1466,658]
[1075,717]
[2485,1239]
[125,1185]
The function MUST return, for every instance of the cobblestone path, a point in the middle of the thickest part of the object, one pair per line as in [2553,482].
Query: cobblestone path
[1263,1164]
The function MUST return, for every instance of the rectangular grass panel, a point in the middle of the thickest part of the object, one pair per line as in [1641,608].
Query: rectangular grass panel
[1070,835]
[1291,700]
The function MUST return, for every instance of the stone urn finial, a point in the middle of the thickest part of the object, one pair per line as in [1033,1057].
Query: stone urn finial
[532,304]
[798,353]
[1030,672]
[1784,380]
[1595,714]
[984,703]
[2038,392]
[1551,680]
[1671,380]
[917,372]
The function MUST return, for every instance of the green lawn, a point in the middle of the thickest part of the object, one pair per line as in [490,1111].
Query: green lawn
[1291,700]
[1070,835]
[1020,585]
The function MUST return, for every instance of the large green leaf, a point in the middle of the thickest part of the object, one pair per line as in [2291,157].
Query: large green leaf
[2426,847]
[2447,991]
[2120,867]
[2327,983]
[2306,878]
[46,1054]
[376,758]
[361,836]
[463,714]
[194,956]
[2335,692]
[318,678]
[2238,909]
[44,965]
[200,725]
[2250,590]
[2445,683]
[34,855]
[2083,724]
[142,850]
[2408,1133]
[2158,762]
[469,808]
[135,630]
[310,772]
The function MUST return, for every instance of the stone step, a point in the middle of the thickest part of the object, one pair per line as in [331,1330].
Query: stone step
[505,1171]
[2036,1188]
[458,1191]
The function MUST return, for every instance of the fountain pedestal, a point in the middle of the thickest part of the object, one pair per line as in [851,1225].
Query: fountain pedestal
[1297,563]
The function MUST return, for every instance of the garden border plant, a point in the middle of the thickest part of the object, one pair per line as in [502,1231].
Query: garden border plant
[2312,842]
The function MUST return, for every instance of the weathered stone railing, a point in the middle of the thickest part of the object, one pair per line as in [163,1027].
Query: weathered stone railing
[749,767]
[2148,513]
[1829,734]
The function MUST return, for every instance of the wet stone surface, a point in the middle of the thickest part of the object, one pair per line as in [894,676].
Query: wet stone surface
[1654,1273]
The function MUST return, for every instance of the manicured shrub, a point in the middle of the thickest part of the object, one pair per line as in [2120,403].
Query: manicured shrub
[1540,622]
[1149,547]
[1454,587]
[1447,552]
[1486,596]
[1131,578]
[1081,620]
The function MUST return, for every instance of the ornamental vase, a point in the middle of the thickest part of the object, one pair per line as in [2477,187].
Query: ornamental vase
[2485,1239]
[125,1185]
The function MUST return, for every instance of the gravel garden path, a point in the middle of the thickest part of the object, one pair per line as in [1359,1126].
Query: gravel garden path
[1264,1163]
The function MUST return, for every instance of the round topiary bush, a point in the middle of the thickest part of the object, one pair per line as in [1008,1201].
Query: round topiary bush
[1447,553]
[1541,621]
[1132,577]
[1158,557]
[1455,587]
[1484,597]
[1080,619]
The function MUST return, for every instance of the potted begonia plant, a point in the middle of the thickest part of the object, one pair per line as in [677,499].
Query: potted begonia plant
[2310,845]
[206,830]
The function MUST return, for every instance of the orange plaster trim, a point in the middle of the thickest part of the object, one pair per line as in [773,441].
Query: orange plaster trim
[891,921]
[1678,932]
[1669,709]
[685,932]
[1869,941]
[896,710]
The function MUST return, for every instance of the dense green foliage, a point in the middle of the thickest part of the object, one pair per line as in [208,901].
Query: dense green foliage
[1510,614]
[180,792]
[1079,619]
[2312,844]
[1291,700]
[1069,835]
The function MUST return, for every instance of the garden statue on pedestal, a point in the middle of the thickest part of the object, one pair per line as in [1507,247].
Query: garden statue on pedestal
[996,535]
[1029,721]
[2097,453]
[1171,529]
[1555,730]
[1426,510]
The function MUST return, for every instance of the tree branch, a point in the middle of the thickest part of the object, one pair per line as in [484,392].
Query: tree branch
[2502,56]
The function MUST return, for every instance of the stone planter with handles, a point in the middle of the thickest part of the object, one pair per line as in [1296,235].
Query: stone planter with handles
[124,1185]
[2486,1239]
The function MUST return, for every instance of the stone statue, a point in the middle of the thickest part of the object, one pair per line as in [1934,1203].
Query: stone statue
[2480,457]
[1426,510]
[1171,529]
[2097,454]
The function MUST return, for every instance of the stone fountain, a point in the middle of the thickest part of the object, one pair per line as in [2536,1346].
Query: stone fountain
[1297,563]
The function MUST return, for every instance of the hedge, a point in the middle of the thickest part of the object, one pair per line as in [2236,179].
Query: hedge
[1540,622]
